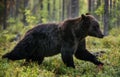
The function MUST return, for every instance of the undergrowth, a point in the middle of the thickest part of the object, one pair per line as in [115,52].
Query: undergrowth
[53,66]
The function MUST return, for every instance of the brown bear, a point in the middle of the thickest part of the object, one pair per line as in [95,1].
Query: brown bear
[67,38]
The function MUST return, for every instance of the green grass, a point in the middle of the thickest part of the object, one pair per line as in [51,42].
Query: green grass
[54,67]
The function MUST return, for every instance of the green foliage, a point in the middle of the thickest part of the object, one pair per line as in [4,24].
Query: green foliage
[11,20]
[30,18]
[82,7]
[100,10]
[54,67]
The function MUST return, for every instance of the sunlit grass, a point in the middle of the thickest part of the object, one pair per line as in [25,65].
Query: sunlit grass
[54,67]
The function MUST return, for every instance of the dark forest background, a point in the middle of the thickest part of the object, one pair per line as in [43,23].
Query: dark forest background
[18,16]
[43,11]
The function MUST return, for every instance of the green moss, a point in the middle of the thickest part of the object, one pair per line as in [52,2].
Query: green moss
[54,67]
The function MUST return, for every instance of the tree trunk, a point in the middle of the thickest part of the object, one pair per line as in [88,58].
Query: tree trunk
[60,10]
[41,8]
[92,6]
[118,15]
[110,9]
[106,19]
[17,7]
[5,15]
[68,6]
[114,14]
[54,10]
[24,16]
[74,8]
[63,9]
[110,6]
[98,3]
[89,6]
[12,9]
[48,9]
[35,5]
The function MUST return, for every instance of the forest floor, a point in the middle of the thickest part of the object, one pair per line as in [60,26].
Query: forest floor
[54,67]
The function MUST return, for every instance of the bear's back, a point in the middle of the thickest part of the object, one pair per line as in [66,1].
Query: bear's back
[43,28]
[46,37]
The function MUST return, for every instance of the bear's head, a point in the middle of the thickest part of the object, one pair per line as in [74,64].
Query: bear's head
[86,25]
[92,26]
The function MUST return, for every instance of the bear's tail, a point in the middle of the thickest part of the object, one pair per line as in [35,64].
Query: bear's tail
[14,55]
[19,52]
[22,50]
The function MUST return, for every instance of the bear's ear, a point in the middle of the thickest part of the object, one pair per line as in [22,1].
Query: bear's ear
[87,13]
[83,16]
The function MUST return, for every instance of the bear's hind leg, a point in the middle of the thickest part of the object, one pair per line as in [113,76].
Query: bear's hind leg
[38,59]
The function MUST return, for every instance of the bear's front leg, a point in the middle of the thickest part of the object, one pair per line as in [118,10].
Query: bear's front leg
[83,54]
[87,56]
[67,55]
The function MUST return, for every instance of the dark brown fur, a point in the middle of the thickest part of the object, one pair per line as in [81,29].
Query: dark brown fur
[67,38]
